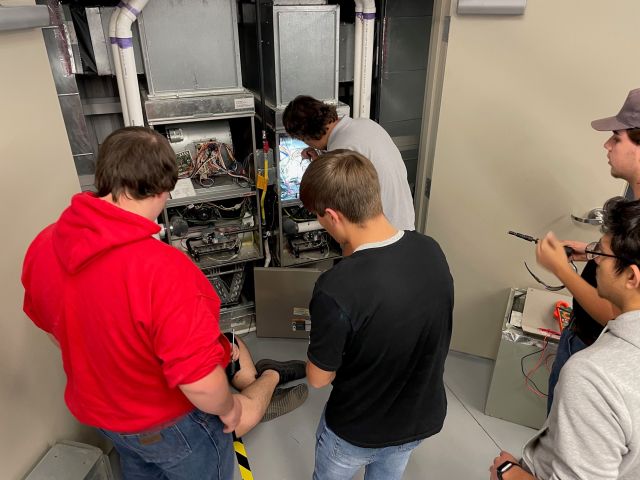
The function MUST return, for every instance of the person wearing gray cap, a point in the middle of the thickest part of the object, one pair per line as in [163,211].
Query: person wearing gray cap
[591,312]
[623,148]
[593,430]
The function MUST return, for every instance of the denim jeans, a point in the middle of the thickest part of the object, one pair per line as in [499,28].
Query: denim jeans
[568,344]
[193,448]
[337,459]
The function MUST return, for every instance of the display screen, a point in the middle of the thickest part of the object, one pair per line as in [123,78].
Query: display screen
[291,167]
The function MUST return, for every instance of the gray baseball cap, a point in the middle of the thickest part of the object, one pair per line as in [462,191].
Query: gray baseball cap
[628,117]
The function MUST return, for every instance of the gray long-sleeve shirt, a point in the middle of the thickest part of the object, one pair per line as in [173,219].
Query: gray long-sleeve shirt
[593,429]
[371,140]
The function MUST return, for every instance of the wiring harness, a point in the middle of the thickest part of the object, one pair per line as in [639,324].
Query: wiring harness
[212,159]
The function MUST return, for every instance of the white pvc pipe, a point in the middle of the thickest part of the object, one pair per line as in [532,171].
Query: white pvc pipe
[357,61]
[115,54]
[267,253]
[368,24]
[129,14]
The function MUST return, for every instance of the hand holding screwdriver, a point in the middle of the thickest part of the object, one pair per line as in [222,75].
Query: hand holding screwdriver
[567,249]
[552,254]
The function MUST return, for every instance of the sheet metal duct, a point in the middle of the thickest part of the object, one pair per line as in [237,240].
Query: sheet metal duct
[301,44]
[191,48]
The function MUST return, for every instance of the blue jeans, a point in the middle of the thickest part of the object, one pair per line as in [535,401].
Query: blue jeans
[337,459]
[568,344]
[193,448]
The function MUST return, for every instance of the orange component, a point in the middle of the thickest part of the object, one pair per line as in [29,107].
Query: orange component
[562,313]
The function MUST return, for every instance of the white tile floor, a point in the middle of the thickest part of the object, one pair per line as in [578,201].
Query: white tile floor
[283,449]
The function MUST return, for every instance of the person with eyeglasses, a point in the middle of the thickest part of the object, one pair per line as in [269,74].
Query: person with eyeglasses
[593,429]
[590,312]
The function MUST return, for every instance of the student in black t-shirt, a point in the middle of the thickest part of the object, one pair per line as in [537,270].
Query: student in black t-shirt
[380,327]
[590,312]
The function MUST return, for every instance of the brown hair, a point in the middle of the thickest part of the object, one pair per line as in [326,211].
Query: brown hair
[135,161]
[306,117]
[634,135]
[622,222]
[344,181]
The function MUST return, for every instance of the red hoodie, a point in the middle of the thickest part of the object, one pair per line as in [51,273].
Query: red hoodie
[134,317]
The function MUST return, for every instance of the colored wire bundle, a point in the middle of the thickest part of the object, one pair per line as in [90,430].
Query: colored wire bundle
[210,161]
[528,381]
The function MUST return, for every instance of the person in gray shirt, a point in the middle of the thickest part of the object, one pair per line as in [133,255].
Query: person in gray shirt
[317,124]
[593,430]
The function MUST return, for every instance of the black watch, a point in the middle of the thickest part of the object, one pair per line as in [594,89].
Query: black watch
[504,468]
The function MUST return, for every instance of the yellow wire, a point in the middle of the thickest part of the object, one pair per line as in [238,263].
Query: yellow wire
[266,182]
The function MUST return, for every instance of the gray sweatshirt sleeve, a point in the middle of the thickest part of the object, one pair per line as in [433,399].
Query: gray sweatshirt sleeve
[588,428]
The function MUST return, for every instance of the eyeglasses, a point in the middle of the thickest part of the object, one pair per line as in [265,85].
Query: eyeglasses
[594,250]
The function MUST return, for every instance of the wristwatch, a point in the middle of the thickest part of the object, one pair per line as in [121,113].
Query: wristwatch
[504,468]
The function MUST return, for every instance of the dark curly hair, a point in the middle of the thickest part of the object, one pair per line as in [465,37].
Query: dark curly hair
[622,222]
[306,117]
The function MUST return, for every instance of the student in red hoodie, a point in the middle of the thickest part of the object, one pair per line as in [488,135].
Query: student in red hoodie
[137,322]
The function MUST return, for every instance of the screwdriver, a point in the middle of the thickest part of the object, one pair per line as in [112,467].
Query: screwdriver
[568,250]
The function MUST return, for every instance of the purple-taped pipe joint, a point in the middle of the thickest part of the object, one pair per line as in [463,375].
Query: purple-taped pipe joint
[134,11]
[365,16]
[369,6]
[129,12]
[123,42]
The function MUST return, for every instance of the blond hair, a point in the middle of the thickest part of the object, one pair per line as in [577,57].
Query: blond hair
[344,181]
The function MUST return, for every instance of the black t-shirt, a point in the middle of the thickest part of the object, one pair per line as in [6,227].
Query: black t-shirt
[381,319]
[587,329]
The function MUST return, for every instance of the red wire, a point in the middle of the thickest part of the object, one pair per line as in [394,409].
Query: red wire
[527,376]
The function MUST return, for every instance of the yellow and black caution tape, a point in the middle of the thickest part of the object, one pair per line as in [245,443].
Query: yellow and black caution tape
[243,460]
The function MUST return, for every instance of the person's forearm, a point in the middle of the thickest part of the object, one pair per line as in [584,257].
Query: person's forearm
[597,307]
[219,403]
[210,394]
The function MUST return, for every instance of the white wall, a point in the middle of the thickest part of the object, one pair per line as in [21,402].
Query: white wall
[37,180]
[515,150]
